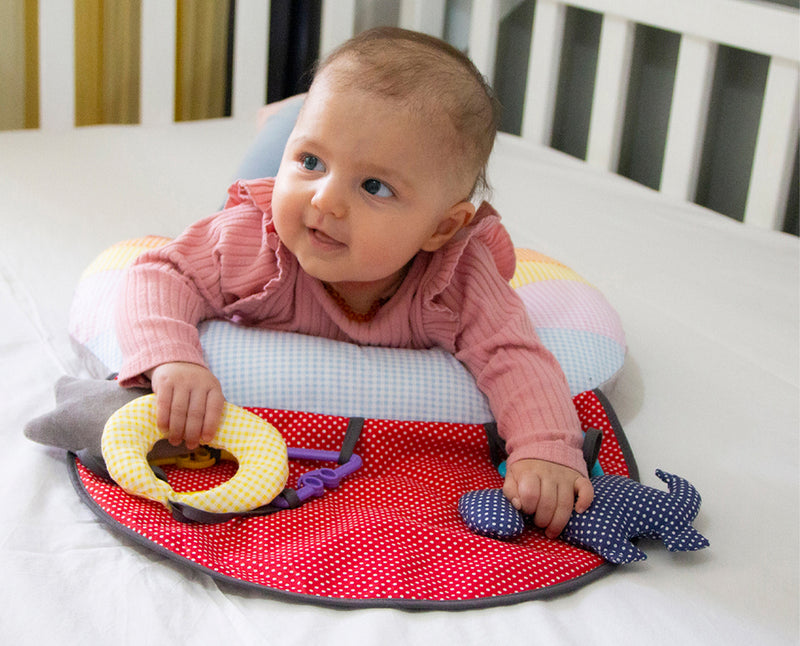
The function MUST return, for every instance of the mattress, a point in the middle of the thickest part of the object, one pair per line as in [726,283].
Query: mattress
[709,391]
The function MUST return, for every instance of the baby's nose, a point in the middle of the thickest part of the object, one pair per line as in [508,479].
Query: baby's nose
[330,198]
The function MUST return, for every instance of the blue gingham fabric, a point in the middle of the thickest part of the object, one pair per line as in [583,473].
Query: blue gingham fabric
[589,360]
[288,371]
[259,367]
[283,370]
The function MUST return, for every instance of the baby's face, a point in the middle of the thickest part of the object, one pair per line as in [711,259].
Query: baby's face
[363,186]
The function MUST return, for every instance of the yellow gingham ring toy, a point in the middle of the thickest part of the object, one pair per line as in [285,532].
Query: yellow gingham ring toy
[257,446]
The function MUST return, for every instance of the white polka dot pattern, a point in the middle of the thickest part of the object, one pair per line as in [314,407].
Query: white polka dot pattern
[390,533]
[489,513]
[624,509]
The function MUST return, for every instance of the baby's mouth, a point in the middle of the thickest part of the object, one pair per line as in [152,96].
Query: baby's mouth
[323,238]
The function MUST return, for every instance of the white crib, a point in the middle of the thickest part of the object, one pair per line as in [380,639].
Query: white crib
[751,25]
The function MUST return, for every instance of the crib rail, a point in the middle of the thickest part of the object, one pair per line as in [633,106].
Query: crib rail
[759,27]
[704,27]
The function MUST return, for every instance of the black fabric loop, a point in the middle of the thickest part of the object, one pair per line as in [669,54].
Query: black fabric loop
[187,514]
[291,497]
[95,463]
[351,435]
[497,446]
[591,446]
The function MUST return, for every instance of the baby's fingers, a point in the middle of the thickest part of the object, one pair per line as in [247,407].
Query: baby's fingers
[524,493]
[163,404]
[194,419]
[564,499]
[175,407]
[213,415]
[166,420]
[584,494]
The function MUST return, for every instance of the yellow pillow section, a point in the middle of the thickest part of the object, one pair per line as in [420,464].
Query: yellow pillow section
[257,446]
[533,267]
[123,254]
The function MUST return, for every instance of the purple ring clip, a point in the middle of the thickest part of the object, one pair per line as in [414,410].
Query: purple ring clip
[313,484]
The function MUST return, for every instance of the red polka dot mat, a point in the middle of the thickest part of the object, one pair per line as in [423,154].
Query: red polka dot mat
[389,535]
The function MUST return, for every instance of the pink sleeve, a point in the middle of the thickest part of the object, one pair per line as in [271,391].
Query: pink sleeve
[201,274]
[527,390]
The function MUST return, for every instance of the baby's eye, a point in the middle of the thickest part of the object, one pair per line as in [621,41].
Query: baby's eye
[311,162]
[377,188]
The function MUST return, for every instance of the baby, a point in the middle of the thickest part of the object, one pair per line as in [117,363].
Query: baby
[368,235]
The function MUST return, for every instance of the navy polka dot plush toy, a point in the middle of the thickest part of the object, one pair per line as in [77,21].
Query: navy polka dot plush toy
[622,509]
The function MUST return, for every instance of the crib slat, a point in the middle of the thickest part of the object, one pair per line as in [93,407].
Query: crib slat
[775,147]
[754,25]
[338,24]
[544,61]
[57,64]
[694,79]
[610,92]
[250,57]
[426,16]
[159,24]
[483,27]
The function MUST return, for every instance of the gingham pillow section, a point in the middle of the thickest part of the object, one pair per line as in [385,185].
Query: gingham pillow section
[298,372]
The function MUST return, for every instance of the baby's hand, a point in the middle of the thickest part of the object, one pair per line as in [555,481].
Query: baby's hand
[548,490]
[189,402]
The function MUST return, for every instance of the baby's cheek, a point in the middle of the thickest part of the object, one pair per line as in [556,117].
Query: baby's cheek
[284,218]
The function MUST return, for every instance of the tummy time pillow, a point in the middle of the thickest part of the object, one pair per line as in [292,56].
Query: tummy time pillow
[282,370]
[399,513]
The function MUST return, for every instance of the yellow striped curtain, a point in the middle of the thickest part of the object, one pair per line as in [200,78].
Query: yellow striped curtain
[106,61]
[19,64]
[201,86]
[107,54]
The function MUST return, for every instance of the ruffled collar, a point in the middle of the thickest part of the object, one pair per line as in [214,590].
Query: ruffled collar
[485,229]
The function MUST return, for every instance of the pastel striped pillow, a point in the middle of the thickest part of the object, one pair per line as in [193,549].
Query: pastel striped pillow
[289,371]
[572,318]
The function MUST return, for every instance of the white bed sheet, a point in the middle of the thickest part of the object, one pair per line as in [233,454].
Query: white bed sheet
[709,391]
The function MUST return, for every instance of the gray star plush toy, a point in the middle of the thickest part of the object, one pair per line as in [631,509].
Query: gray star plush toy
[83,407]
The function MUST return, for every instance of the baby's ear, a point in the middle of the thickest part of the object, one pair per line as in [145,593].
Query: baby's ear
[456,218]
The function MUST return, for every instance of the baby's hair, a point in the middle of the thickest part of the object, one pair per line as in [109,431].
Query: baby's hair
[430,76]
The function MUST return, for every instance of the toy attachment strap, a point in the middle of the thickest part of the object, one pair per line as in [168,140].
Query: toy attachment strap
[497,445]
[311,484]
[351,435]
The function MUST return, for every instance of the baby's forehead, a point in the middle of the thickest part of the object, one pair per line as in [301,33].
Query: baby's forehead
[436,111]
[404,78]
[436,81]
[414,108]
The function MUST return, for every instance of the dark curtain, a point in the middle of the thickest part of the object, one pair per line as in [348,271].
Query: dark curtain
[293,46]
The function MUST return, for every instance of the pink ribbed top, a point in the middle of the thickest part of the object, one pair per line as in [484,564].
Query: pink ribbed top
[233,266]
